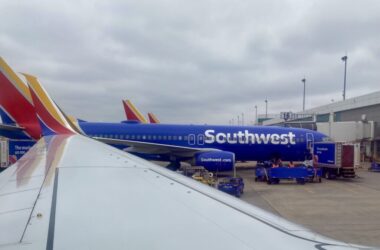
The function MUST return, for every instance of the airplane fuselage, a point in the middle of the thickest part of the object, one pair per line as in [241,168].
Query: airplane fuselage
[246,142]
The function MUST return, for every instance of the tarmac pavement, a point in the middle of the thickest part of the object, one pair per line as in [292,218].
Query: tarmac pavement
[344,209]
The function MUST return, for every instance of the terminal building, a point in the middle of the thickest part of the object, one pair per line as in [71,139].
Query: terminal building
[355,120]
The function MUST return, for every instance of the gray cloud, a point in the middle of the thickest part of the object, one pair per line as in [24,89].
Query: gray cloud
[192,62]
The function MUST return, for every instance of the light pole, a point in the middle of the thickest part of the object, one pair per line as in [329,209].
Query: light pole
[256,114]
[344,59]
[304,91]
[266,108]
[242,119]
[238,120]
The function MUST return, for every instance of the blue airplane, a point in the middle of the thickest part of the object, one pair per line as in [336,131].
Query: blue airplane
[217,148]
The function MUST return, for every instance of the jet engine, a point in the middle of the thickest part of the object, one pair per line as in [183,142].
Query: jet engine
[215,160]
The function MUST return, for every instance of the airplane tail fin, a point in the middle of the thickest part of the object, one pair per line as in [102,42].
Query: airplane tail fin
[132,113]
[16,105]
[153,118]
[51,118]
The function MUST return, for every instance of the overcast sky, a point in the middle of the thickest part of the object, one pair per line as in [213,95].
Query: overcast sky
[193,61]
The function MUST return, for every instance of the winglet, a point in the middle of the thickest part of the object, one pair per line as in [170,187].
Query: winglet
[16,105]
[153,118]
[52,120]
[132,112]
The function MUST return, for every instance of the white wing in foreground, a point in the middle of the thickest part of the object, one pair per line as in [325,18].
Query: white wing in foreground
[71,192]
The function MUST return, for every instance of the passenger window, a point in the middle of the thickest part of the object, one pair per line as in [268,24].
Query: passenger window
[154,137]
[169,137]
[174,138]
[180,138]
[201,139]
[191,139]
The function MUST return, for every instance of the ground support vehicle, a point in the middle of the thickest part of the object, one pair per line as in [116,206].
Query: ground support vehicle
[261,171]
[300,174]
[205,177]
[335,159]
[232,185]
[375,167]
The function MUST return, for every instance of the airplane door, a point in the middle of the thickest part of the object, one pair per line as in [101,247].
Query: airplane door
[191,139]
[310,142]
[201,139]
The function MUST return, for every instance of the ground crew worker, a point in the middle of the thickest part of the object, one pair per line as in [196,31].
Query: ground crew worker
[277,163]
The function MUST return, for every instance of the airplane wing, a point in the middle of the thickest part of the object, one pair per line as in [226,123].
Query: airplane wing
[155,148]
[72,192]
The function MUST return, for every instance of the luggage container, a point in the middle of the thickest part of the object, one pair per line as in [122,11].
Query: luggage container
[232,185]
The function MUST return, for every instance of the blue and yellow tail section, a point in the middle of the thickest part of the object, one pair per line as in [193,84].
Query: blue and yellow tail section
[16,104]
[51,118]
[132,113]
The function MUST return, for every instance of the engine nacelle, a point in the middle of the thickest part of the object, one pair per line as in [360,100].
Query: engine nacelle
[215,160]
